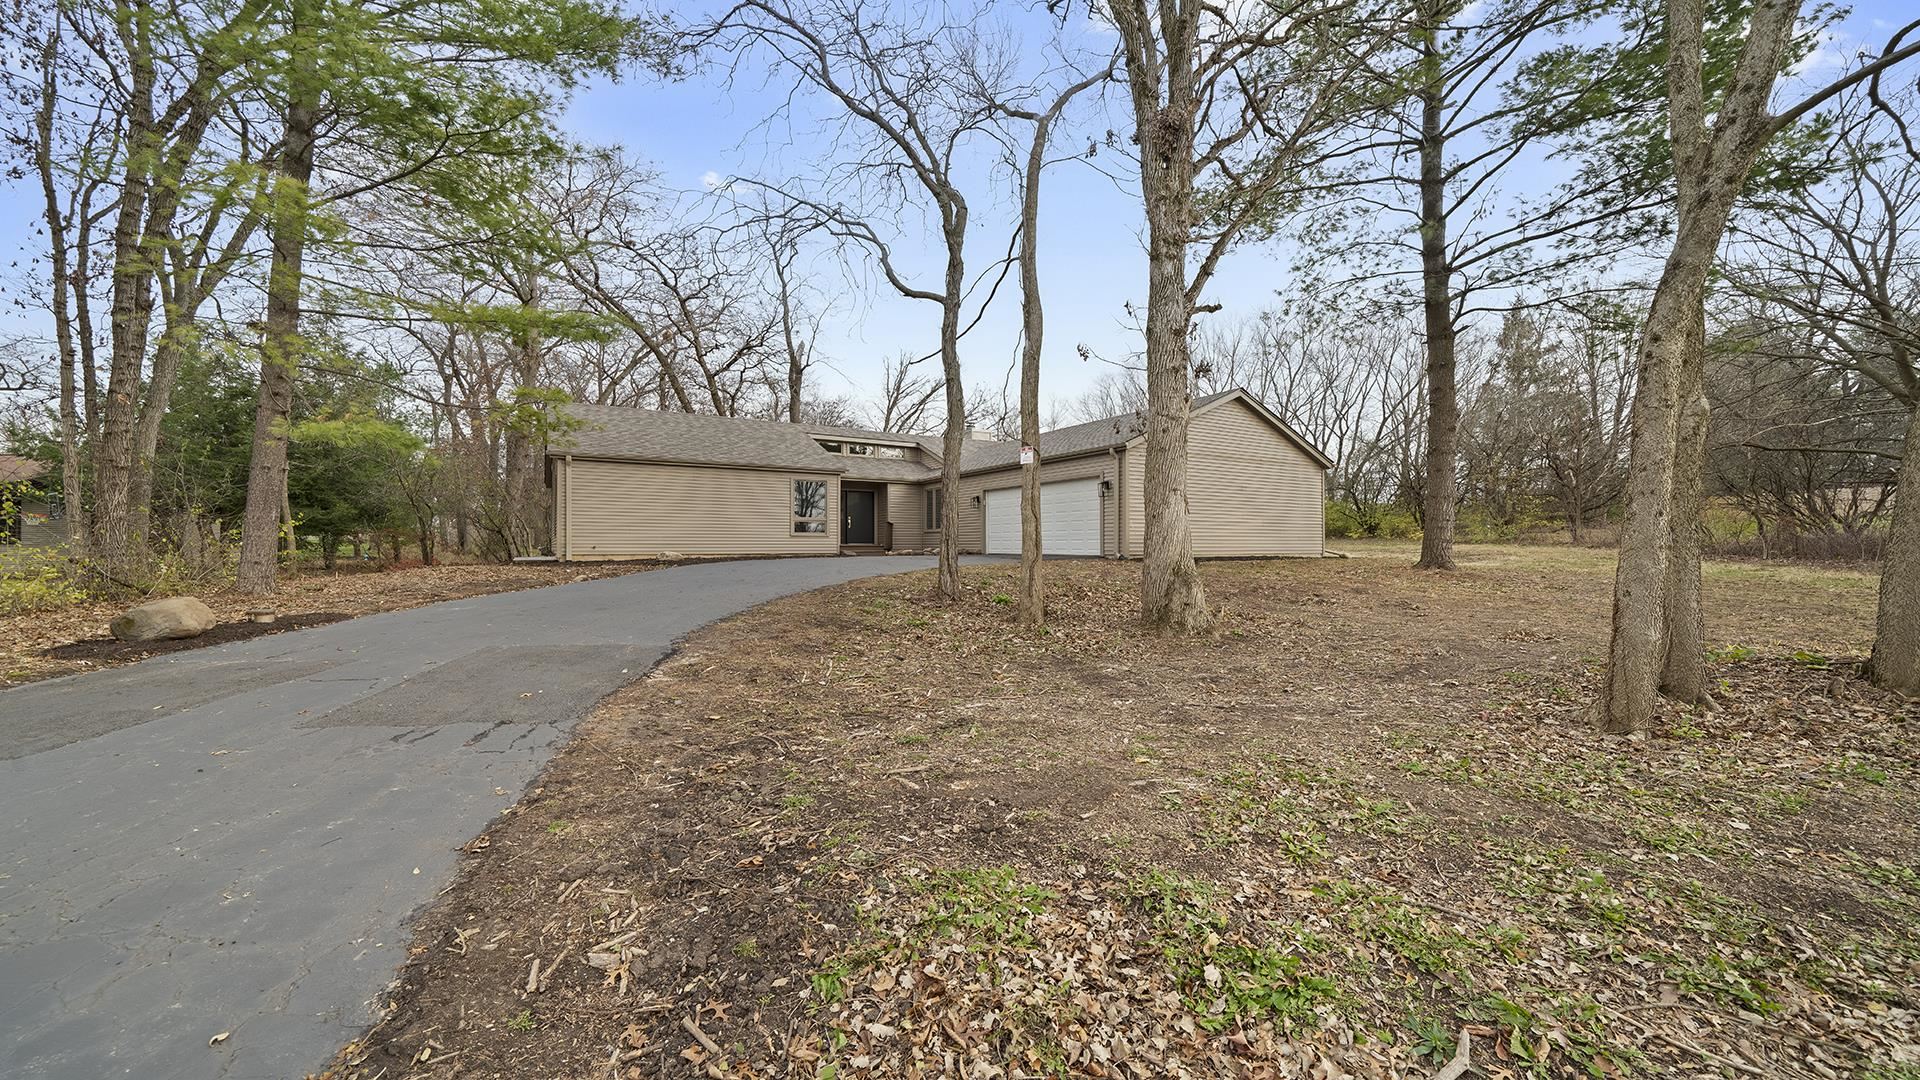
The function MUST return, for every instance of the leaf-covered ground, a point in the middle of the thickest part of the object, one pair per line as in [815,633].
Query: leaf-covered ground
[73,638]
[861,833]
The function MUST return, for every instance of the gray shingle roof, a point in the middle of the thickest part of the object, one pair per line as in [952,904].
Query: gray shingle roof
[700,439]
[1087,438]
[694,438]
[15,469]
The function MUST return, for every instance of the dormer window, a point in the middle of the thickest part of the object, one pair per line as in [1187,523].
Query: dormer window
[860,449]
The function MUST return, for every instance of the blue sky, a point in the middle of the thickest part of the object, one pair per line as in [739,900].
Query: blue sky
[701,128]
[1092,262]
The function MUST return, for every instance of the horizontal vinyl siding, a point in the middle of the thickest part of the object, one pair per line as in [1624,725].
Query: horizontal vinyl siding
[629,509]
[907,509]
[1250,489]
[972,520]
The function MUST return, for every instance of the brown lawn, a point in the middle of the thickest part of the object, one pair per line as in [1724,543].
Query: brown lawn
[861,833]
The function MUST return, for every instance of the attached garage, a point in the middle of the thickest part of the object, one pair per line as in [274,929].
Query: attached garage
[1254,489]
[1069,518]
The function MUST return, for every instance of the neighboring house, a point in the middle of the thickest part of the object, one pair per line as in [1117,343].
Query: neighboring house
[635,483]
[27,514]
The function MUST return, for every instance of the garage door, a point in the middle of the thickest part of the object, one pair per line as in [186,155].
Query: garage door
[1069,518]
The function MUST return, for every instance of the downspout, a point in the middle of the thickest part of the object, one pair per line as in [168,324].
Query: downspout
[566,508]
[1119,503]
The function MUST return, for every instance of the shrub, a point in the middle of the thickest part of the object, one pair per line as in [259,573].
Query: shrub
[1382,521]
[36,579]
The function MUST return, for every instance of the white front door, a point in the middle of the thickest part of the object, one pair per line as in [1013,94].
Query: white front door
[1069,518]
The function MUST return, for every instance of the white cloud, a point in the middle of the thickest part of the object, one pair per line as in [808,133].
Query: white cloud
[712,180]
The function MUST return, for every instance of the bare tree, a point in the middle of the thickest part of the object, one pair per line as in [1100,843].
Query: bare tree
[903,84]
[908,400]
[1838,268]
[1032,600]
[797,329]
[1113,393]
[1236,100]
[1658,641]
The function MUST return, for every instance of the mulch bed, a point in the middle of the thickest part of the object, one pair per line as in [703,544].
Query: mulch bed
[862,833]
[110,650]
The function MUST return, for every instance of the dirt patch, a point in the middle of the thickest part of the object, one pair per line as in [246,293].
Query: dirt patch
[865,833]
[68,640]
[108,650]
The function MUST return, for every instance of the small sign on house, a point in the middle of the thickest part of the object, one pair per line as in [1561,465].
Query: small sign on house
[1028,455]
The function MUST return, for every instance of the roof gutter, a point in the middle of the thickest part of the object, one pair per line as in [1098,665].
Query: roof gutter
[1077,454]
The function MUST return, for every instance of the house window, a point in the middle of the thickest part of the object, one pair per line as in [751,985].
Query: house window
[933,508]
[860,449]
[809,506]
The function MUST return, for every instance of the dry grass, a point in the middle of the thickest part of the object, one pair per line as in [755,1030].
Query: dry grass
[864,834]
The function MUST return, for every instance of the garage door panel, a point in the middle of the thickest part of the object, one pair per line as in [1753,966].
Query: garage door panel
[1003,521]
[1069,512]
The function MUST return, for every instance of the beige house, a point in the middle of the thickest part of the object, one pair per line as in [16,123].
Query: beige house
[632,483]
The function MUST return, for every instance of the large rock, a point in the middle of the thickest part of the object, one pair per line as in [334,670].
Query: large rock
[159,620]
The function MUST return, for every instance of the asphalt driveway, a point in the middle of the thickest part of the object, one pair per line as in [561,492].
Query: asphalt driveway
[232,839]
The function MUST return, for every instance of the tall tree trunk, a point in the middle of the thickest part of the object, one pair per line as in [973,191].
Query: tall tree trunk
[1577,491]
[1711,165]
[281,346]
[1637,655]
[1172,597]
[954,442]
[1895,664]
[1033,597]
[524,513]
[796,355]
[1684,676]
[131,311]
[70,490]
[1436,274]
[168,355]
[90,412]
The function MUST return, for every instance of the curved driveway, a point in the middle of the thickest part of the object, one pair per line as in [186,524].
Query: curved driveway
[232,839]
